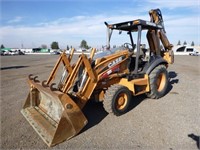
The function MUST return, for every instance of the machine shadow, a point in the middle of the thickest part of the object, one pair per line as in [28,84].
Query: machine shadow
[95,112]
[172,80]
[136,100]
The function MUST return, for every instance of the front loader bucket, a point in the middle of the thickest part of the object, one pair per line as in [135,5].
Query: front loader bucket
[53,114]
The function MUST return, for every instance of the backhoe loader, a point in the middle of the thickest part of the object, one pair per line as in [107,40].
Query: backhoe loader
[113,76]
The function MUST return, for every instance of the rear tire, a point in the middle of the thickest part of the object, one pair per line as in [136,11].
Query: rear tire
[158,80]
[117,100]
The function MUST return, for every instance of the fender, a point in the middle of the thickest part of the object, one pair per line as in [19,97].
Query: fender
[153,63]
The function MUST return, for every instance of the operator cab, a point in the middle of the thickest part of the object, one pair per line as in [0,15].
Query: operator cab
[138,50]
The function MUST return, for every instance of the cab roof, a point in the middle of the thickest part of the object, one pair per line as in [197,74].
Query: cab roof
[133,25]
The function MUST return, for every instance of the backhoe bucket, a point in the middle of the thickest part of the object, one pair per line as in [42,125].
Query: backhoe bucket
[54,115]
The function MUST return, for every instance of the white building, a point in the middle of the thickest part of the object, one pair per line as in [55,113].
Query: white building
[184,50]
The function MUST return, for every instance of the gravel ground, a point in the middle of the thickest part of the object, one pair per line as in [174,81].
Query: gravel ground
[172,122]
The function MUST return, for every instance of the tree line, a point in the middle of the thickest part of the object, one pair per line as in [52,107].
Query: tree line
[185,43]
[55,45]
[84,45]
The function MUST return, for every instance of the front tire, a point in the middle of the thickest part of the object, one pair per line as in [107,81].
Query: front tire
[158,80]
[117,99]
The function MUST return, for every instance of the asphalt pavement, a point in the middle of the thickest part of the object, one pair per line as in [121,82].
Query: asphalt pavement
[171,122]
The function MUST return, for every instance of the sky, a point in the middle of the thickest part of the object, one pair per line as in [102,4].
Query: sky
[32,23]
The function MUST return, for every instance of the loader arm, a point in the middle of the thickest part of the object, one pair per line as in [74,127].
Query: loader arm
[84,92]
[66,62]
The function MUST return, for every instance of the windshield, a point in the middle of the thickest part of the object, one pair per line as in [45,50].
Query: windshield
[108,52]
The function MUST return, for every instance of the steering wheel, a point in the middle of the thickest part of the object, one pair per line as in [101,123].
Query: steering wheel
[129,46]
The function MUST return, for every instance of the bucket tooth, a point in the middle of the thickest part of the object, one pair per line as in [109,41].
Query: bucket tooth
[30,76]
[44,83]
[35,79]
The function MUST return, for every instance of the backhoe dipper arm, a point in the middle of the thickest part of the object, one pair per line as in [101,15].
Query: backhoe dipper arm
[156,17]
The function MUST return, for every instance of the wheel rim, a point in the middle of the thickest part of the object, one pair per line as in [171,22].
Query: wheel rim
[121,101]
[161,81]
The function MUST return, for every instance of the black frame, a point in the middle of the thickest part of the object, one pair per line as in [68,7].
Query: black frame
[132,26]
